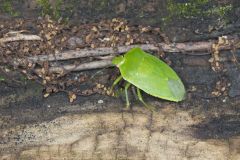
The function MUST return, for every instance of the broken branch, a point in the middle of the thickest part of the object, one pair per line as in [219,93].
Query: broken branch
[108,63]
[193,47]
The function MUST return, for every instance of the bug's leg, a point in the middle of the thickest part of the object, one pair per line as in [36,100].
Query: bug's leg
[134,92]
[126,94]
[141,99]
[116,82]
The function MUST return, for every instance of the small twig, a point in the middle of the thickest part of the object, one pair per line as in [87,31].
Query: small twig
[20,37]
[104,57]
[108,63]
[193,47]
[73,67]
[99,52]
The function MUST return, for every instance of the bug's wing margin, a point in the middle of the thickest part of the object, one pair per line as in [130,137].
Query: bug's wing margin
[177,89]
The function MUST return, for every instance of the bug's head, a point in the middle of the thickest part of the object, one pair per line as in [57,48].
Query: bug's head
[119,60]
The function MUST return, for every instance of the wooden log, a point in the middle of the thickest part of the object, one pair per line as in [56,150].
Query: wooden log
[166,134]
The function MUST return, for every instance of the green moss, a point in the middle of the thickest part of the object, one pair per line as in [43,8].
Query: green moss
[57,9]
[45,7]
[49,9]
[195,9]
[2,78]
[7,7]
[221,11]
[23,79]
[101,5]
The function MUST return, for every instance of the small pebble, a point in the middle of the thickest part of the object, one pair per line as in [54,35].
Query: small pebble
[224,100]
[100,101]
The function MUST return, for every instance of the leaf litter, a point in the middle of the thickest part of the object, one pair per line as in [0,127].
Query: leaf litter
[55,37]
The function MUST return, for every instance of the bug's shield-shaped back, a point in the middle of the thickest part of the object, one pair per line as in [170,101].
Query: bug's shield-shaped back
[150,74]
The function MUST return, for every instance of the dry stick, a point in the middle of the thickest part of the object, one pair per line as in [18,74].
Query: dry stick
[107,63]
[20,37]
[193,47]
[80,67]
[87,53]
[177,47]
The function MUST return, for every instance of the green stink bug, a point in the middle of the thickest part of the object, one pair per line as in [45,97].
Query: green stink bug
[149,74]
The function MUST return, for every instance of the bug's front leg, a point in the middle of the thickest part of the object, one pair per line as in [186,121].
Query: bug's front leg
[116,82]
[126,94]
[141,99]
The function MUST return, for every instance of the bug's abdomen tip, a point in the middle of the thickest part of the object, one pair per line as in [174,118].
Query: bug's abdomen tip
[177,89]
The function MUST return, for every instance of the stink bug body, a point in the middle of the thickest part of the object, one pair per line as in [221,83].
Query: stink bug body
[149,74]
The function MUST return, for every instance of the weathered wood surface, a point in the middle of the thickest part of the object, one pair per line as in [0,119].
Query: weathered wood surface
[166,134]
[202,127]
